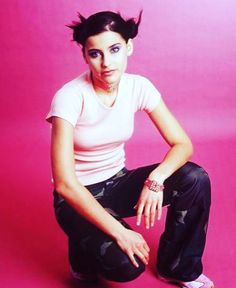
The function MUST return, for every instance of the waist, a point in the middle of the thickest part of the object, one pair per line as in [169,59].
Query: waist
[94,188]
[94,176]
[118,175]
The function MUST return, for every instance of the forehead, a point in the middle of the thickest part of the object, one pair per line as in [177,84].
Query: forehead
[104,40]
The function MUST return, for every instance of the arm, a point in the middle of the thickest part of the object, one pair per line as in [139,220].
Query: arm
[180,151]
[67,185]
[181,148]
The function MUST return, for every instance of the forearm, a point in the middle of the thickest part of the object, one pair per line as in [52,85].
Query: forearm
[88,207]
[176,157]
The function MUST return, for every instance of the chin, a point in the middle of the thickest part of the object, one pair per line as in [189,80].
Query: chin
[112,80]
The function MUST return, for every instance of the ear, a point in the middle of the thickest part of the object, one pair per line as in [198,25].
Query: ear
[130,47]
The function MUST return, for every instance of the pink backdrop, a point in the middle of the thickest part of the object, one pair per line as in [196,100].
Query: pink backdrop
[187,48]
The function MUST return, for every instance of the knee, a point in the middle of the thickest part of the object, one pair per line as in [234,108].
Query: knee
[195,175]
[116,266]
[196,183]
[125,271]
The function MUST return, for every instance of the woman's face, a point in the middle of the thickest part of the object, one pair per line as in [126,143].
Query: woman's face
[106,55]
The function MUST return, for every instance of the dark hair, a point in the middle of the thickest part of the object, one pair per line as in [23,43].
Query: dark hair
[104,21]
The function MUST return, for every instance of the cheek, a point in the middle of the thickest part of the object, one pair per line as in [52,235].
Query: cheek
[92,65]
[121,59]
[124,61]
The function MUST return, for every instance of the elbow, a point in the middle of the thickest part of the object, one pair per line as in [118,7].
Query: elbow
[64,188]
[60,187]
[189,149]
[185,149]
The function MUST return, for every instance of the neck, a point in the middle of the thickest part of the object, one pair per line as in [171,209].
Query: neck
[111,89]
[104,88]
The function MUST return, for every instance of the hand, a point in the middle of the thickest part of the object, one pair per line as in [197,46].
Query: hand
[133,243]
[149,204]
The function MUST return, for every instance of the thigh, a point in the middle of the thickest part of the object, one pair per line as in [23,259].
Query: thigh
[125,195]
[109,260]
[71,222]
[186,187]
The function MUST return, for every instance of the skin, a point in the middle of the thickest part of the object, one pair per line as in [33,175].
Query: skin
[107,55]
[107,62]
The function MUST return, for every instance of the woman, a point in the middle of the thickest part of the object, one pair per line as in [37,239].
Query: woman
[92,117]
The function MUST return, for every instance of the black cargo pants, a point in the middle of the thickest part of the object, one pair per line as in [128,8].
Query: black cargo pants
[187,194]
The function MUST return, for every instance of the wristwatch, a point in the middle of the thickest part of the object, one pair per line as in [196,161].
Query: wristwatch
[154,185]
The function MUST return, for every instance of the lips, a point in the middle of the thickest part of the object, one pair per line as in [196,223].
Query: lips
[108,72]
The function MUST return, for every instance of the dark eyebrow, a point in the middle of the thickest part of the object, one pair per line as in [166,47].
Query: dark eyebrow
[110,47]
[94,50]
[114,45]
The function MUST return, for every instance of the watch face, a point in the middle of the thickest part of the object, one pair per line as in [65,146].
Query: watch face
[154,185]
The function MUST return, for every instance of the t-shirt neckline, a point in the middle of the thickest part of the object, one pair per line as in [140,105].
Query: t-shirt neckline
[115,103]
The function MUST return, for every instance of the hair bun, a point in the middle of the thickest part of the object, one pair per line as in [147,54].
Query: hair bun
[104,21]
[132,26]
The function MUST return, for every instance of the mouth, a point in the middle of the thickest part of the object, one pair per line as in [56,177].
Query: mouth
[108,72]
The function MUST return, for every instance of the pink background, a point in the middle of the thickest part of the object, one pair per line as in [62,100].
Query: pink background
[187,48]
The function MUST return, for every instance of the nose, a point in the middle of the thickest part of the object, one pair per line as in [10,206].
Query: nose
[105,60]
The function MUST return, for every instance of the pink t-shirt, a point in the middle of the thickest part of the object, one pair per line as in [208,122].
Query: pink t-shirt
[101,131]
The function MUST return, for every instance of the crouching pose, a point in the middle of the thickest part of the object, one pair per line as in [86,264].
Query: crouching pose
[92,117]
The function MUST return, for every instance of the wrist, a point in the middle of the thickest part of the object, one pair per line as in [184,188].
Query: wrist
[118,232]
[158,177]
[154,185]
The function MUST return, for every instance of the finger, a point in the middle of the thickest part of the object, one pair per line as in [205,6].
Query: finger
[159,210]
[144,258]
[146,247]
[147,215]
[139,213]
[132,258]
[144,243]
[144,252]
[153,213]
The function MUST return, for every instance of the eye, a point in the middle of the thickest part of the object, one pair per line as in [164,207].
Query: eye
[94,54]
[115,49]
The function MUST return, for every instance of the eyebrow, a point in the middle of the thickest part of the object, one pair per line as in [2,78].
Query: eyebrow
[110,47]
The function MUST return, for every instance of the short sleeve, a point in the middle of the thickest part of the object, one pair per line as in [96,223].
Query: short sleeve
[66,104]
[149,96]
